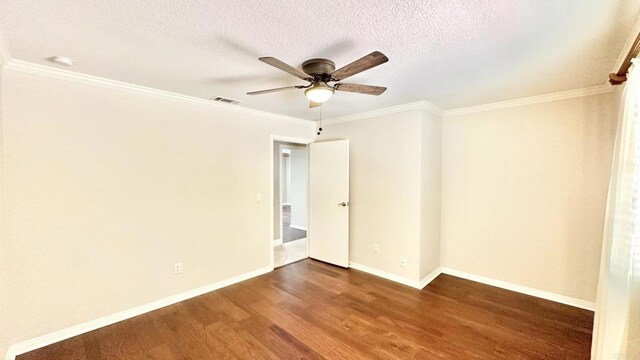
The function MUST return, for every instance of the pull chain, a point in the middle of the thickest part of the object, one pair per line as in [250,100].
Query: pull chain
[320,119]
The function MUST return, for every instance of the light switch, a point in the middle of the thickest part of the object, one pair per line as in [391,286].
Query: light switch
[258,198]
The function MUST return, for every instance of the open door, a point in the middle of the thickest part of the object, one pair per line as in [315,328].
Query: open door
[329,202]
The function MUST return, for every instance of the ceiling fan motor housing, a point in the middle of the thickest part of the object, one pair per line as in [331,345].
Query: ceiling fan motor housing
[319,67]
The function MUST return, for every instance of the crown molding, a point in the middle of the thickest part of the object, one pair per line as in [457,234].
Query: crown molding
[51,72]
[562,95]
[418,105]
[427,106]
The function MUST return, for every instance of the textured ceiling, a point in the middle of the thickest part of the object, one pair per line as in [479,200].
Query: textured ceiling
[451,53]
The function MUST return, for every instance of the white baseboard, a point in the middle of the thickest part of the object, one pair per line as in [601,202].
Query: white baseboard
[522,289]
[397,278]
[277,242]
[298,227]
[429,278]
[385,275]
[484,280]
[48,339]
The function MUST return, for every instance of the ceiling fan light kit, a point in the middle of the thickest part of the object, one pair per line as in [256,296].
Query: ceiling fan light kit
[320,72]
[319,93]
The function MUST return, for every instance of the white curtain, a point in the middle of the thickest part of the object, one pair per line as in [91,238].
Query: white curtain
[617,323]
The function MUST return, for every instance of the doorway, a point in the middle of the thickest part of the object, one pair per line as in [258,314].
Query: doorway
[290,199]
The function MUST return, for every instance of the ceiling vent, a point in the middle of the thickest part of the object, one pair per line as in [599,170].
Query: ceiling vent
[225,100]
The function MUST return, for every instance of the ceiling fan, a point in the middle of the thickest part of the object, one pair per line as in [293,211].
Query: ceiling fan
[320,72]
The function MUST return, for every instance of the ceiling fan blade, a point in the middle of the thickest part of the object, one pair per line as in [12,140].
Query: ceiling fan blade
[313,104]
[365,63]
[259,92]
[362,89]
[285,67]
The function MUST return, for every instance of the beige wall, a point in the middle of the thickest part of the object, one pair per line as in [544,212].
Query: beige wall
[524,191]
[105,189]
[387,189]
[431,175]
[4,297]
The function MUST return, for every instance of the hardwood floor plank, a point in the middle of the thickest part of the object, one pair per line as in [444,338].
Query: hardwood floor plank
[312,310]
[71,349]
[305,331]
[239,343]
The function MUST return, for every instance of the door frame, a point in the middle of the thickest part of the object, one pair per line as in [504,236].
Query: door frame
[272,140]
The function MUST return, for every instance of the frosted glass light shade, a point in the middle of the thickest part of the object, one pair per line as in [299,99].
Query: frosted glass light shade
[319,93]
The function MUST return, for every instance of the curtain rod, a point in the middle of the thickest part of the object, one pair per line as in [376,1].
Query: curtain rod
[620,77]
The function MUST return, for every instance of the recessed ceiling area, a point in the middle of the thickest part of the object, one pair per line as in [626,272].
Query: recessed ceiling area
[451,53]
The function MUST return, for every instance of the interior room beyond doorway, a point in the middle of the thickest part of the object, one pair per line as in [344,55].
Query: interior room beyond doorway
[290,202]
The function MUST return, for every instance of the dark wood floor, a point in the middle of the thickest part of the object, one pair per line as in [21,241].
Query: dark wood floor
[311,310]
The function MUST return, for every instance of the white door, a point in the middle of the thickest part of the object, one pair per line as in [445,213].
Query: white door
[329,202]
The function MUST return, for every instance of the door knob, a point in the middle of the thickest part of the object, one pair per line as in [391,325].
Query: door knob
[342,204]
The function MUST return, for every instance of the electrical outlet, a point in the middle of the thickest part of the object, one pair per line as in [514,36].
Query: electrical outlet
[258,198]
[403,261]
[376,248]
[177,268]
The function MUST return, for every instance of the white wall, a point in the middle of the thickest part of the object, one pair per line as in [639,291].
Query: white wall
[299,184]
[276,190]
[524,191]
[387,189]
[285,175]
[105,189]
[431,175]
